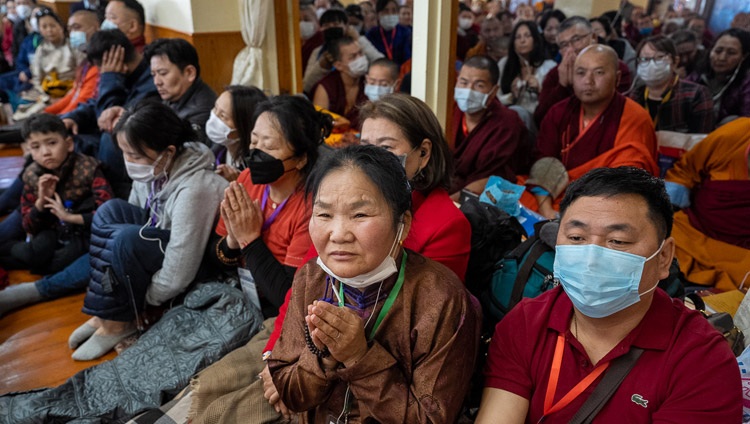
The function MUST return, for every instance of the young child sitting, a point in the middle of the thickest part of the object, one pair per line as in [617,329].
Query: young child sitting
[61,191]
[53,68]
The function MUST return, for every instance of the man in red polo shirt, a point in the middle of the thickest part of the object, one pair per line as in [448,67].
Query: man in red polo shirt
[549,353]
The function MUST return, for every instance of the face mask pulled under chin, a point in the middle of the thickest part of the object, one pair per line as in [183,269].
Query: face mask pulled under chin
[600,281]
[381,272]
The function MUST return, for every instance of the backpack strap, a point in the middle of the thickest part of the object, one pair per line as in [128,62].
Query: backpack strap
[537,250]
[606,388]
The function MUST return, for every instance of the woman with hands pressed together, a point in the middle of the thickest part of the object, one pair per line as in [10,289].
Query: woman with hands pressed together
[263,227]
[374,331]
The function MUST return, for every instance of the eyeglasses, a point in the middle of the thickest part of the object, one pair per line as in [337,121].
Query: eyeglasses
[574,41]
[658,59]
[44,12]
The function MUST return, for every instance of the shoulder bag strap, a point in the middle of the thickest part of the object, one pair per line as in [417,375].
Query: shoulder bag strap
[607,387]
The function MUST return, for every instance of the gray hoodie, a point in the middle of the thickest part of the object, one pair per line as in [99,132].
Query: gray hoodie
[187,206]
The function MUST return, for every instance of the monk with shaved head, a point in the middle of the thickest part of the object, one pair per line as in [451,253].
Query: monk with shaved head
[596,127]
[574,35]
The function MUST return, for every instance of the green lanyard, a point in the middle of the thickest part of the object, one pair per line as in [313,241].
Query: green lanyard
[388,302]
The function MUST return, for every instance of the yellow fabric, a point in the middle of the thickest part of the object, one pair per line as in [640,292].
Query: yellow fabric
[721,156]
[708,261]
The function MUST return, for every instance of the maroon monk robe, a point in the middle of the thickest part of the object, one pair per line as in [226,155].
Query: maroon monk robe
[334,86]
[498,145]
[560,136]
[552,92]
[309,45]
[720,210]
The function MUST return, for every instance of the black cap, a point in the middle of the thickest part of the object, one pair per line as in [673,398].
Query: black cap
[354,10]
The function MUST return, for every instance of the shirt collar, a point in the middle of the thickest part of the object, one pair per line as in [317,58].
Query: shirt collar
[653,332]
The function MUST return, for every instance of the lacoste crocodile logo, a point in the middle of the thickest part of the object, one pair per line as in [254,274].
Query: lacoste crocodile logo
[639,400]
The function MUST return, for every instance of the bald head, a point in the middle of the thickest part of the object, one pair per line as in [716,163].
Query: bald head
[607,55]
[595,76]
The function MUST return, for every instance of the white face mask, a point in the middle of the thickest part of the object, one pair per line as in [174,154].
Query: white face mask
[375,92]
[218,132]
[653,73]
[470,101]
[381,272]
[23,11]
[465,23]
[144,173]
[306,29]
[388,22]
[358,67]
[34,22]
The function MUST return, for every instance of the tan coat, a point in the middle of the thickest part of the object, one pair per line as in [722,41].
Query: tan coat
[417,368]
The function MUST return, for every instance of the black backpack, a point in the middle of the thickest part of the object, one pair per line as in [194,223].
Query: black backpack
[493,234]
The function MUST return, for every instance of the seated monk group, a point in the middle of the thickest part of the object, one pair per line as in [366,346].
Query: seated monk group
[597,127]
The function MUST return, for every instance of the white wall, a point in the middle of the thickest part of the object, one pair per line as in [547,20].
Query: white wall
[193,16]
[172,14]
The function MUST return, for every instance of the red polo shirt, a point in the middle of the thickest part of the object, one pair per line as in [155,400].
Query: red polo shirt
[687,373]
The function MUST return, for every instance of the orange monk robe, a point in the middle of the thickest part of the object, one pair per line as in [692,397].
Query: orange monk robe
[622,135]
[720,157]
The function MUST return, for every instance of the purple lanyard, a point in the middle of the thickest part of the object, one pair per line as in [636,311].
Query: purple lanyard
[153,219]
[267,223]
[220,157]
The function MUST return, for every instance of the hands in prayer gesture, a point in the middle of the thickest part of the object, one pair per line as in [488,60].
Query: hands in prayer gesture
[340,330]
[242,216]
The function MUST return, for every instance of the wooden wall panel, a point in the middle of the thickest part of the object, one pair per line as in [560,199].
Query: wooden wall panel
[60,7]
[216,51]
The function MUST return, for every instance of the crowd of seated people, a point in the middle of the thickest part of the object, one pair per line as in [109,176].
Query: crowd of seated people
[142,180]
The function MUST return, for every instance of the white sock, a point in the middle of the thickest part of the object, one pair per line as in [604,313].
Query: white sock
[97,345]
[18,295]
[80,334]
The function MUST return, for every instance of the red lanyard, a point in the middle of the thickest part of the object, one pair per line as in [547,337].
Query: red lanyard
[554,376]
[388,48]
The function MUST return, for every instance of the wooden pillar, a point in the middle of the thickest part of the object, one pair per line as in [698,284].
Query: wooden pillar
[284,33]
[434,56]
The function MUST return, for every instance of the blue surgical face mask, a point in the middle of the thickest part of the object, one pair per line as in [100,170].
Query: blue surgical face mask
[646,31]
[600,281]
[77,39]
[107,24]
[470,101]
[375,92]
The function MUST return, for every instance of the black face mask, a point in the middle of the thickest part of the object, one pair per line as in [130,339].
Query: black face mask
[333,33]
[264,168]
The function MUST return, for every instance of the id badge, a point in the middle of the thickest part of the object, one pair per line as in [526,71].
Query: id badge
[247,281]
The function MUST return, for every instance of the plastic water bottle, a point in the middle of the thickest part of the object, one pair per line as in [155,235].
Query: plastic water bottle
[66,230]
